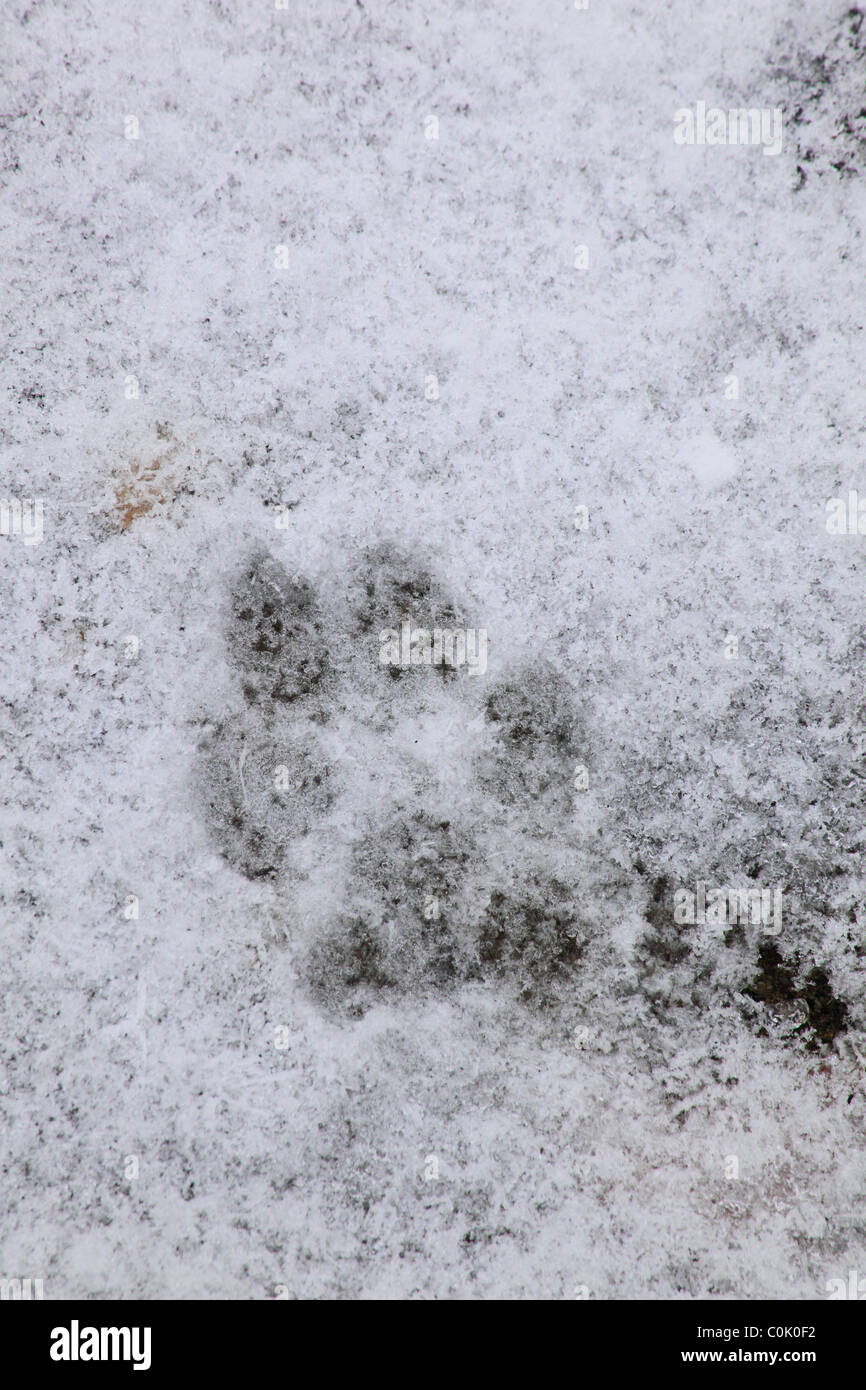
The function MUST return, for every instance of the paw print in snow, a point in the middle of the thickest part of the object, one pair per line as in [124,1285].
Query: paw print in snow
[411,808]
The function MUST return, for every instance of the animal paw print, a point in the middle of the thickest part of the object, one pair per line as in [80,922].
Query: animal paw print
[411,808]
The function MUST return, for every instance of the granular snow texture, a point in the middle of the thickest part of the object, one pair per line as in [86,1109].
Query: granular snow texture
[326,977]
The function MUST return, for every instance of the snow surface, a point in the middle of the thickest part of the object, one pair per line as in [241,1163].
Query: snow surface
[582,1148]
